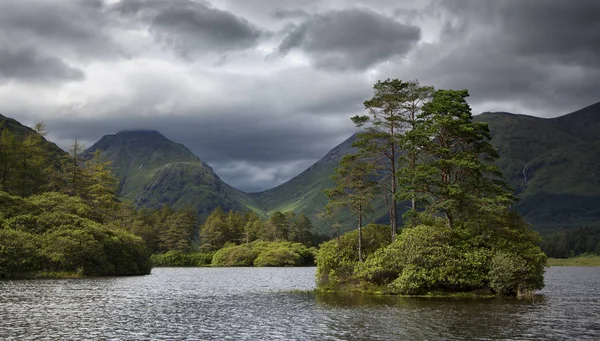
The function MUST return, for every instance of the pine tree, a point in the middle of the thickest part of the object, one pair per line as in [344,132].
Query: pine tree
[355,190]
[460,178]
[392,111]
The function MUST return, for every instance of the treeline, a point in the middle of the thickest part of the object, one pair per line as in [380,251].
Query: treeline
[571,242]
[221,228]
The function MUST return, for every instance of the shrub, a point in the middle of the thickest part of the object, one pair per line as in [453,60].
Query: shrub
[19,253]
[179,259]
[283,254]
[336,258]
[261,253]
[235,255]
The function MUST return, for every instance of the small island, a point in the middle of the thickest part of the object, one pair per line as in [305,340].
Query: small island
[421,148]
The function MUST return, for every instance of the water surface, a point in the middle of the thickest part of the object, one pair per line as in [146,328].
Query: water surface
[269,304]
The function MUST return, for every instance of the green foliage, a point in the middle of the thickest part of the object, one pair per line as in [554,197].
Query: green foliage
[261,253]
[221,228]
[179,259]
[467,240]
[337,257]
[569,242]
[439,258]
[235,255]
[54,234]
[19,253]
[283,254]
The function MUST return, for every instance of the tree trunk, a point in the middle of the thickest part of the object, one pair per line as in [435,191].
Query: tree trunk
[360,234]
[393,218]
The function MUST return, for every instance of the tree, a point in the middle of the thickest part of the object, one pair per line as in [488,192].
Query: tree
[179,231]
[214,230]
[32,165]
[101,186]
[8,159]
[253,227]
[277,227]
[460,179]
[300,230]
[354,191]
[392,112]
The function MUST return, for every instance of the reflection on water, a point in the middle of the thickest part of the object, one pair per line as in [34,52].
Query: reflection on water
[275,304]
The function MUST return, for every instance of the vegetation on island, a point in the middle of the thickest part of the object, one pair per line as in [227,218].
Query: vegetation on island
[421,148]
[245,239]
[57,213]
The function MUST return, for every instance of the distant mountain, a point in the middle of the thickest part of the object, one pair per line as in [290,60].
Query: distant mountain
[553,164]
[154,171]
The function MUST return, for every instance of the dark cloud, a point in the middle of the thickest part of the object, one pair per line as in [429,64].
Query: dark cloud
[78,28]
[29,66]
[534,57]
[259,121]
[191,27]
[551,30]
[351,39]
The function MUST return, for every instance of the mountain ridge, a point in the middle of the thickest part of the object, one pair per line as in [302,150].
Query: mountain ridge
[552,163]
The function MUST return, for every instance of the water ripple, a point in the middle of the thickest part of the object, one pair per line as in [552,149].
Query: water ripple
[260,304]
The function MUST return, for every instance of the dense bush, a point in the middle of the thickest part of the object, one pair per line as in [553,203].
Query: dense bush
[262,253]
[175,258]
[336,258]
[437,258]
[54,235]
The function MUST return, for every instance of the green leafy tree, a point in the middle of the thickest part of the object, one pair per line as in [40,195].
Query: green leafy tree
[392,111]
[354,191]
[460,178]
[277,227]
[179,230]
[101,186]
[300,230]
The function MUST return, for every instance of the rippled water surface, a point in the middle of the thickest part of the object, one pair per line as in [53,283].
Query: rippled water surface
[268,304]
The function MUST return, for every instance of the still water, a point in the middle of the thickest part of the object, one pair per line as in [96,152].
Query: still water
[268,304]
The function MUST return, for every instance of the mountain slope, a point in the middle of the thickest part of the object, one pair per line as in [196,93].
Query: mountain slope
[21,130]
[154,171]
[554,164]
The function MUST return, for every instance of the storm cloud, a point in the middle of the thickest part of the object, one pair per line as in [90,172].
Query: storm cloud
[191,27]
[351,39]
[27,65]
[262,89]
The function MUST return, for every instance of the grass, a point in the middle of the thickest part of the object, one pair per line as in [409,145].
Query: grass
[587,260]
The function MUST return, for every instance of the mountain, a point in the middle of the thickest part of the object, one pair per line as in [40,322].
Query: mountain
[154,171]
[553,165]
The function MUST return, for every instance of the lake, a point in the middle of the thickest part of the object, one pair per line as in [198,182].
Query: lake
[268,304]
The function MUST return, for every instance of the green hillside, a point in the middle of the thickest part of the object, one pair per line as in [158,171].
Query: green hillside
[21,130]
[554,164]
[154,171]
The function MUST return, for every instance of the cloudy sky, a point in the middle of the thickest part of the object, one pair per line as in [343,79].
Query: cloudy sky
[261,89]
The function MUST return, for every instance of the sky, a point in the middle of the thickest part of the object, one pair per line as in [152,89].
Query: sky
[261,89]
